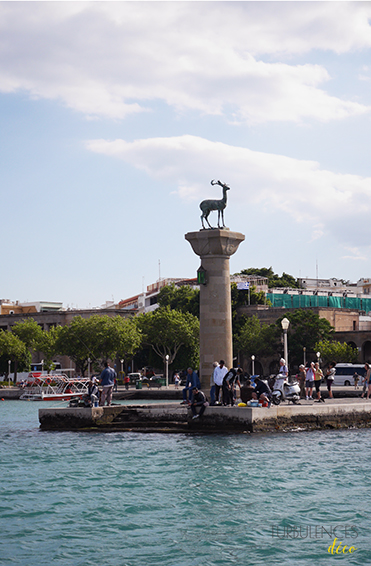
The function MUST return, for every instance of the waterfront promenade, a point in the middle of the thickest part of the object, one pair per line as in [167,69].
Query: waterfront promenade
[162,393]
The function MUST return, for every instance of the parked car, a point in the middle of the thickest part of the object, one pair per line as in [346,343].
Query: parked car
[345,372]
[154,381]
[134,377]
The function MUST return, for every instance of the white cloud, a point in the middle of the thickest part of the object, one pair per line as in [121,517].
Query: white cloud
[356,253]
[110,59]
[320,201]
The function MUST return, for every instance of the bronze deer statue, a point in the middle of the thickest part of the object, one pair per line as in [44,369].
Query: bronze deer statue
[207,206]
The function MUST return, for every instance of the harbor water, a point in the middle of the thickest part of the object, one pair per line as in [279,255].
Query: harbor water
[128,499]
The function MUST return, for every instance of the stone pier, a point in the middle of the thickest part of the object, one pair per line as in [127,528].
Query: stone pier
[175,418]
[214,248]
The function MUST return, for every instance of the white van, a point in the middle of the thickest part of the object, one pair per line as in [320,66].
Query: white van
[345,372]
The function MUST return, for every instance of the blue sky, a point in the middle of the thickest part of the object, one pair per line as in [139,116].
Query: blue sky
[115,116]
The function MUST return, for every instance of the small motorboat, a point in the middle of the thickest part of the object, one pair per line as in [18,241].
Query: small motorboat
[54,388]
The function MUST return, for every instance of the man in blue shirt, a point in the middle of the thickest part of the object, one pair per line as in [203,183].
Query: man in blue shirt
[107,381]
[192,381]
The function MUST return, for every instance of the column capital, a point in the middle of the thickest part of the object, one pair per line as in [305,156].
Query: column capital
[215,242]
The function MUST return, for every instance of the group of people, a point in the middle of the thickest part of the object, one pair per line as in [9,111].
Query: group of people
[98,397]
[311,377]
[224,382]
[223,389]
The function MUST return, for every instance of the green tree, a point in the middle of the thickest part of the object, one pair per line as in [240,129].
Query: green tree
[129,336]
[259,339]
[336,352]
[77,341]
[12,348]
[99,338]
[48,345]
[240,297]
[183,299]
[305,330]
[274,280]
[29,332]
[167,331]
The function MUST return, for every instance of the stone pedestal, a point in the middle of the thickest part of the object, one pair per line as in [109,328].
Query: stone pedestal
[215,248]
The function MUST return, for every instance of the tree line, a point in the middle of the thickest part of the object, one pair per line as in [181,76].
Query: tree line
[171,331]
[165,332]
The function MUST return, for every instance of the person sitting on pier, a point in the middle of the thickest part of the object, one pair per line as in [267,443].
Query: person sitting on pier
[262,392]
[91,399]
[192,381]
[198,400]
[247,391]
[283,368]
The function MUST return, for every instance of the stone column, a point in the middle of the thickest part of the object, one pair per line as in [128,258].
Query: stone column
[215,248]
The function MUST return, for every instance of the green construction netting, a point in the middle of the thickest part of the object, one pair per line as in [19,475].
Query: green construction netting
[280,300]
[301,301]
[366,305]
[335,302]
[353,303]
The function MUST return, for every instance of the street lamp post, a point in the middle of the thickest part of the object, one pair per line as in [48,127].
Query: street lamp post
[9,362]
[89,362]
[304,356]
[252,365]
[167,371]
[285,323]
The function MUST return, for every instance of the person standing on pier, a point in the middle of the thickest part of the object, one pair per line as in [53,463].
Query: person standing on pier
[309,382]
[212,384]
[330,376]
[318,375]
[107,381]
[230,380]
[368,378]
[219,373]
[302,376]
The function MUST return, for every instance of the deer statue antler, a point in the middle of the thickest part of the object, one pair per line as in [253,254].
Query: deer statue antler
[213,182]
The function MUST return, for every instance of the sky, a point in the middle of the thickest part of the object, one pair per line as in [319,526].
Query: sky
[116,116]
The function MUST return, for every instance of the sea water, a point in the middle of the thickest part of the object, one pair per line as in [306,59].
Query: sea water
[128,499]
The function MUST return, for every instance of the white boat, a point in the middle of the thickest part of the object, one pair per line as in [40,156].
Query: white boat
[54,388]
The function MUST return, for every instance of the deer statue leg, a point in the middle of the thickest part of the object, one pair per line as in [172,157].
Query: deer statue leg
[205,215]
[207,218]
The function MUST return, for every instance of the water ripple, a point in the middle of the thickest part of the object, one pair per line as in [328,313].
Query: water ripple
[184,500]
